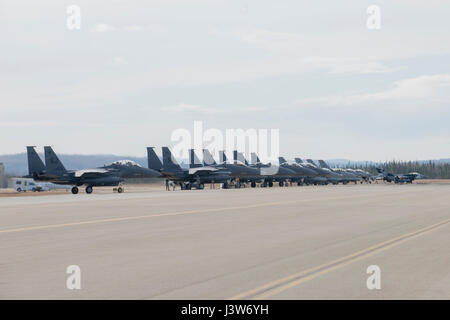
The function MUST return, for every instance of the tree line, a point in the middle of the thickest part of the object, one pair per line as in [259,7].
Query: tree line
[430,169]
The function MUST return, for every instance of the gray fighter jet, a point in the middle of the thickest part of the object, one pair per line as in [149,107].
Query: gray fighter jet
[302,173]
[272,173]
[239,171]
[110,175]
[239,158]
[346,176]
[194,177]
[324,176]
[397,178]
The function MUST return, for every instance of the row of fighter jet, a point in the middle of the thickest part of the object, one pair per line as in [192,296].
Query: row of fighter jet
[233,173]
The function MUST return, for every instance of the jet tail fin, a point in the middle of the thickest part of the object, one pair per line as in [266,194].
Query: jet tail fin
[255,158]
[222,156]
[35,163]
[208,159]
[281,160]
[310,161]
[298,160]
[169,162]
[194,161]
[241,158]
[153,161]
[324,165]
[52,162]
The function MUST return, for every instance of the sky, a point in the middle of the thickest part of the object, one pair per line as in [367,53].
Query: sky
[136,71]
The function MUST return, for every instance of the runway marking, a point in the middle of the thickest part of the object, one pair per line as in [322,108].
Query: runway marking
[275,287]
[61,225]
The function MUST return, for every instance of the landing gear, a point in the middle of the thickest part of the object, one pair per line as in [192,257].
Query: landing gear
[253,184]
[201,186]
[299,183]
[74,190]
[225,185]
[281,183]
[264,184]
[119,190]
[270,184]
[89,189]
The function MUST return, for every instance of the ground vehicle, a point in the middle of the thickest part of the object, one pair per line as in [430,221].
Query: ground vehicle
[27,184]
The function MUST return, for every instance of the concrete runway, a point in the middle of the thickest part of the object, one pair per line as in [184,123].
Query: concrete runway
[278,243]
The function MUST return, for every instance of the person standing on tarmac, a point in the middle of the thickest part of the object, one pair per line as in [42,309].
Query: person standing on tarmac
[167,185]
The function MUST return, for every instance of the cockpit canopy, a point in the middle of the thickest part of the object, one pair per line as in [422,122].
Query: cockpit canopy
[128,163]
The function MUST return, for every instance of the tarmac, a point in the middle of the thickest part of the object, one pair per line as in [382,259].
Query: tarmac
[313,242]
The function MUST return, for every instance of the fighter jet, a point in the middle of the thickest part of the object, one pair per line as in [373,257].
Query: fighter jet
[324,176]
[109,175]
[364,175]
[272,173]
[238,158]
[345,176]
[302,174]
[194,177]
[397,178]
[239,171]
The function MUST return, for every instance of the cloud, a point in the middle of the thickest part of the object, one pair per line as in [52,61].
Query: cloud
[133,27]
[191,108]
[102,27]
[272,40]
[119,61]
[429,88]
[184,107]
[300,51]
